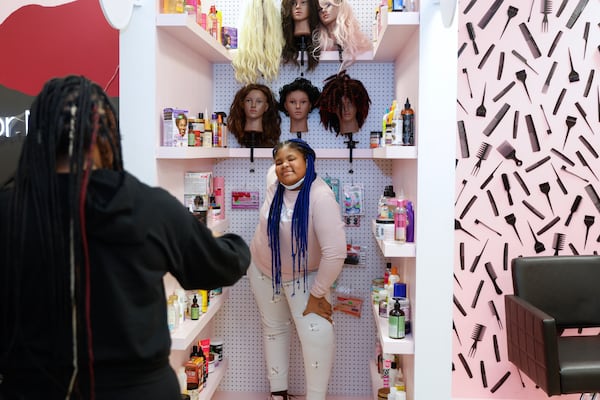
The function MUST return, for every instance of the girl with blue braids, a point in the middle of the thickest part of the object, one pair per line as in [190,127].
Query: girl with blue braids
[298,251]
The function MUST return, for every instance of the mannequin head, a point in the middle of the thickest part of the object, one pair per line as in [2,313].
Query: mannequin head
[296,100]
[343,104]
[299,19]
[253,117]
[328,12]
[339,29]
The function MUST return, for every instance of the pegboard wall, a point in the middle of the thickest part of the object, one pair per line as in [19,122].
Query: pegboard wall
[355,337]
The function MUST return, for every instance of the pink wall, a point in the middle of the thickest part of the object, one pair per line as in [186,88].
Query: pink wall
[493,234]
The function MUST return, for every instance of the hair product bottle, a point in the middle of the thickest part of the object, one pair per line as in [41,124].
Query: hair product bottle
[396,322]
[408,125]
[195,309]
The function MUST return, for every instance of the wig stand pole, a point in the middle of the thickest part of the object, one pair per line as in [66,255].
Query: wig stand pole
[351,144]
[252,144]
[303,48]
[299,135]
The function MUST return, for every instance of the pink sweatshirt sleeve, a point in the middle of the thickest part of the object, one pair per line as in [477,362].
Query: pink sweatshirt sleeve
[331,236]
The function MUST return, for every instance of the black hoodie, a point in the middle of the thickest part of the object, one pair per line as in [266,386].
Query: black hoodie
[136,234]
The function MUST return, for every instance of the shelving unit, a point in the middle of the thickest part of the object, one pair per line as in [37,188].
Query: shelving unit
[214,378]
[396,28]
[185,29]
[174,45]
[388,345]
[185,334]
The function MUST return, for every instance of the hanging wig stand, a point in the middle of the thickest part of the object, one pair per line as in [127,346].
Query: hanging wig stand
[252,143]
[303,48]
[351,144]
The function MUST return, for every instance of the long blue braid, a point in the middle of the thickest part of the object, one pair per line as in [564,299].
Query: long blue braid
[299,220]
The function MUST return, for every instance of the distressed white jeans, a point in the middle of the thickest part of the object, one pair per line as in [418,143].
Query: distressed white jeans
[315,334]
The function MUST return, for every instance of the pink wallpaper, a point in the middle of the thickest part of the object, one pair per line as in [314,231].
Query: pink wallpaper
[528,139]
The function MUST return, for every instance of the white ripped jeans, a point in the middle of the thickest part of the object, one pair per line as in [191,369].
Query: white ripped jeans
[315,334]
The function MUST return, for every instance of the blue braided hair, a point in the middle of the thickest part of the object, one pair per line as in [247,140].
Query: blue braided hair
[299,219]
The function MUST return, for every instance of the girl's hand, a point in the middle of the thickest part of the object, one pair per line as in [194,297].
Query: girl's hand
[319,306]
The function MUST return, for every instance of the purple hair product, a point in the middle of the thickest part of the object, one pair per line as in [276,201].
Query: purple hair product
[410,229]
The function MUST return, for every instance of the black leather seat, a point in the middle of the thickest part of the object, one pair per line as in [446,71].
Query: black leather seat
[553,294]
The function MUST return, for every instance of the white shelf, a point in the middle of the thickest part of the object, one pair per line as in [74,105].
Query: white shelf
[388,345]
[185,334]
[185,29]
[395,152]
[391,248]
[396,29]
[213,381]
[334,56]
[188,153]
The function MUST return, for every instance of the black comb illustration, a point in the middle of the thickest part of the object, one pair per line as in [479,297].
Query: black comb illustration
[495,313]
[558,243]
[493,276]
[482,154]
[477,336]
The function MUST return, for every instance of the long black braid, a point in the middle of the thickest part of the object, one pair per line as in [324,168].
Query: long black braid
[67,118]
[299,219]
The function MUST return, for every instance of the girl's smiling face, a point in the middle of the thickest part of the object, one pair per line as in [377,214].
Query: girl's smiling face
[290,165]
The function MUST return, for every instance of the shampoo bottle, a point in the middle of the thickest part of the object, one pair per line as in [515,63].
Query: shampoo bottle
[396,322]
[408,125]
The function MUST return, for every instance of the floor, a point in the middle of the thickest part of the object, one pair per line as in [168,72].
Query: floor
[265,396]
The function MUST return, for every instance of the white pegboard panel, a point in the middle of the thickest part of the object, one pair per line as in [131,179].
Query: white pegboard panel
[239,318]
[376,77]
[355,338]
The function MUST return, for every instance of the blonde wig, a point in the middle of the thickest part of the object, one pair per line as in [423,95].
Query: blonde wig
[344,33]
[260,43]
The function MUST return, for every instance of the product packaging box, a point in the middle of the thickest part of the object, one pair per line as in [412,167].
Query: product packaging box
[229,37]
[174,127]
[197,184]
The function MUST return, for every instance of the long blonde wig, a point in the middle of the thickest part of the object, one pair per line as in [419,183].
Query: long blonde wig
[260,43]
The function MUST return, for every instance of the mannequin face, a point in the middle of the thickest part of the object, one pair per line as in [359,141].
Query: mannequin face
[328,12]
[255,104]
[297,105]
[300,10]
[290,165]
[347,111]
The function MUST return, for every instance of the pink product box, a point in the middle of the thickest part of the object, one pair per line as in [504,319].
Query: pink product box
[229,37]
[170,132]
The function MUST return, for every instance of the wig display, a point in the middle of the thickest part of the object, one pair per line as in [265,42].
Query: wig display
[339,90]
[260,41]
[298,123]
[297,38]
[270,130]
[340,30]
